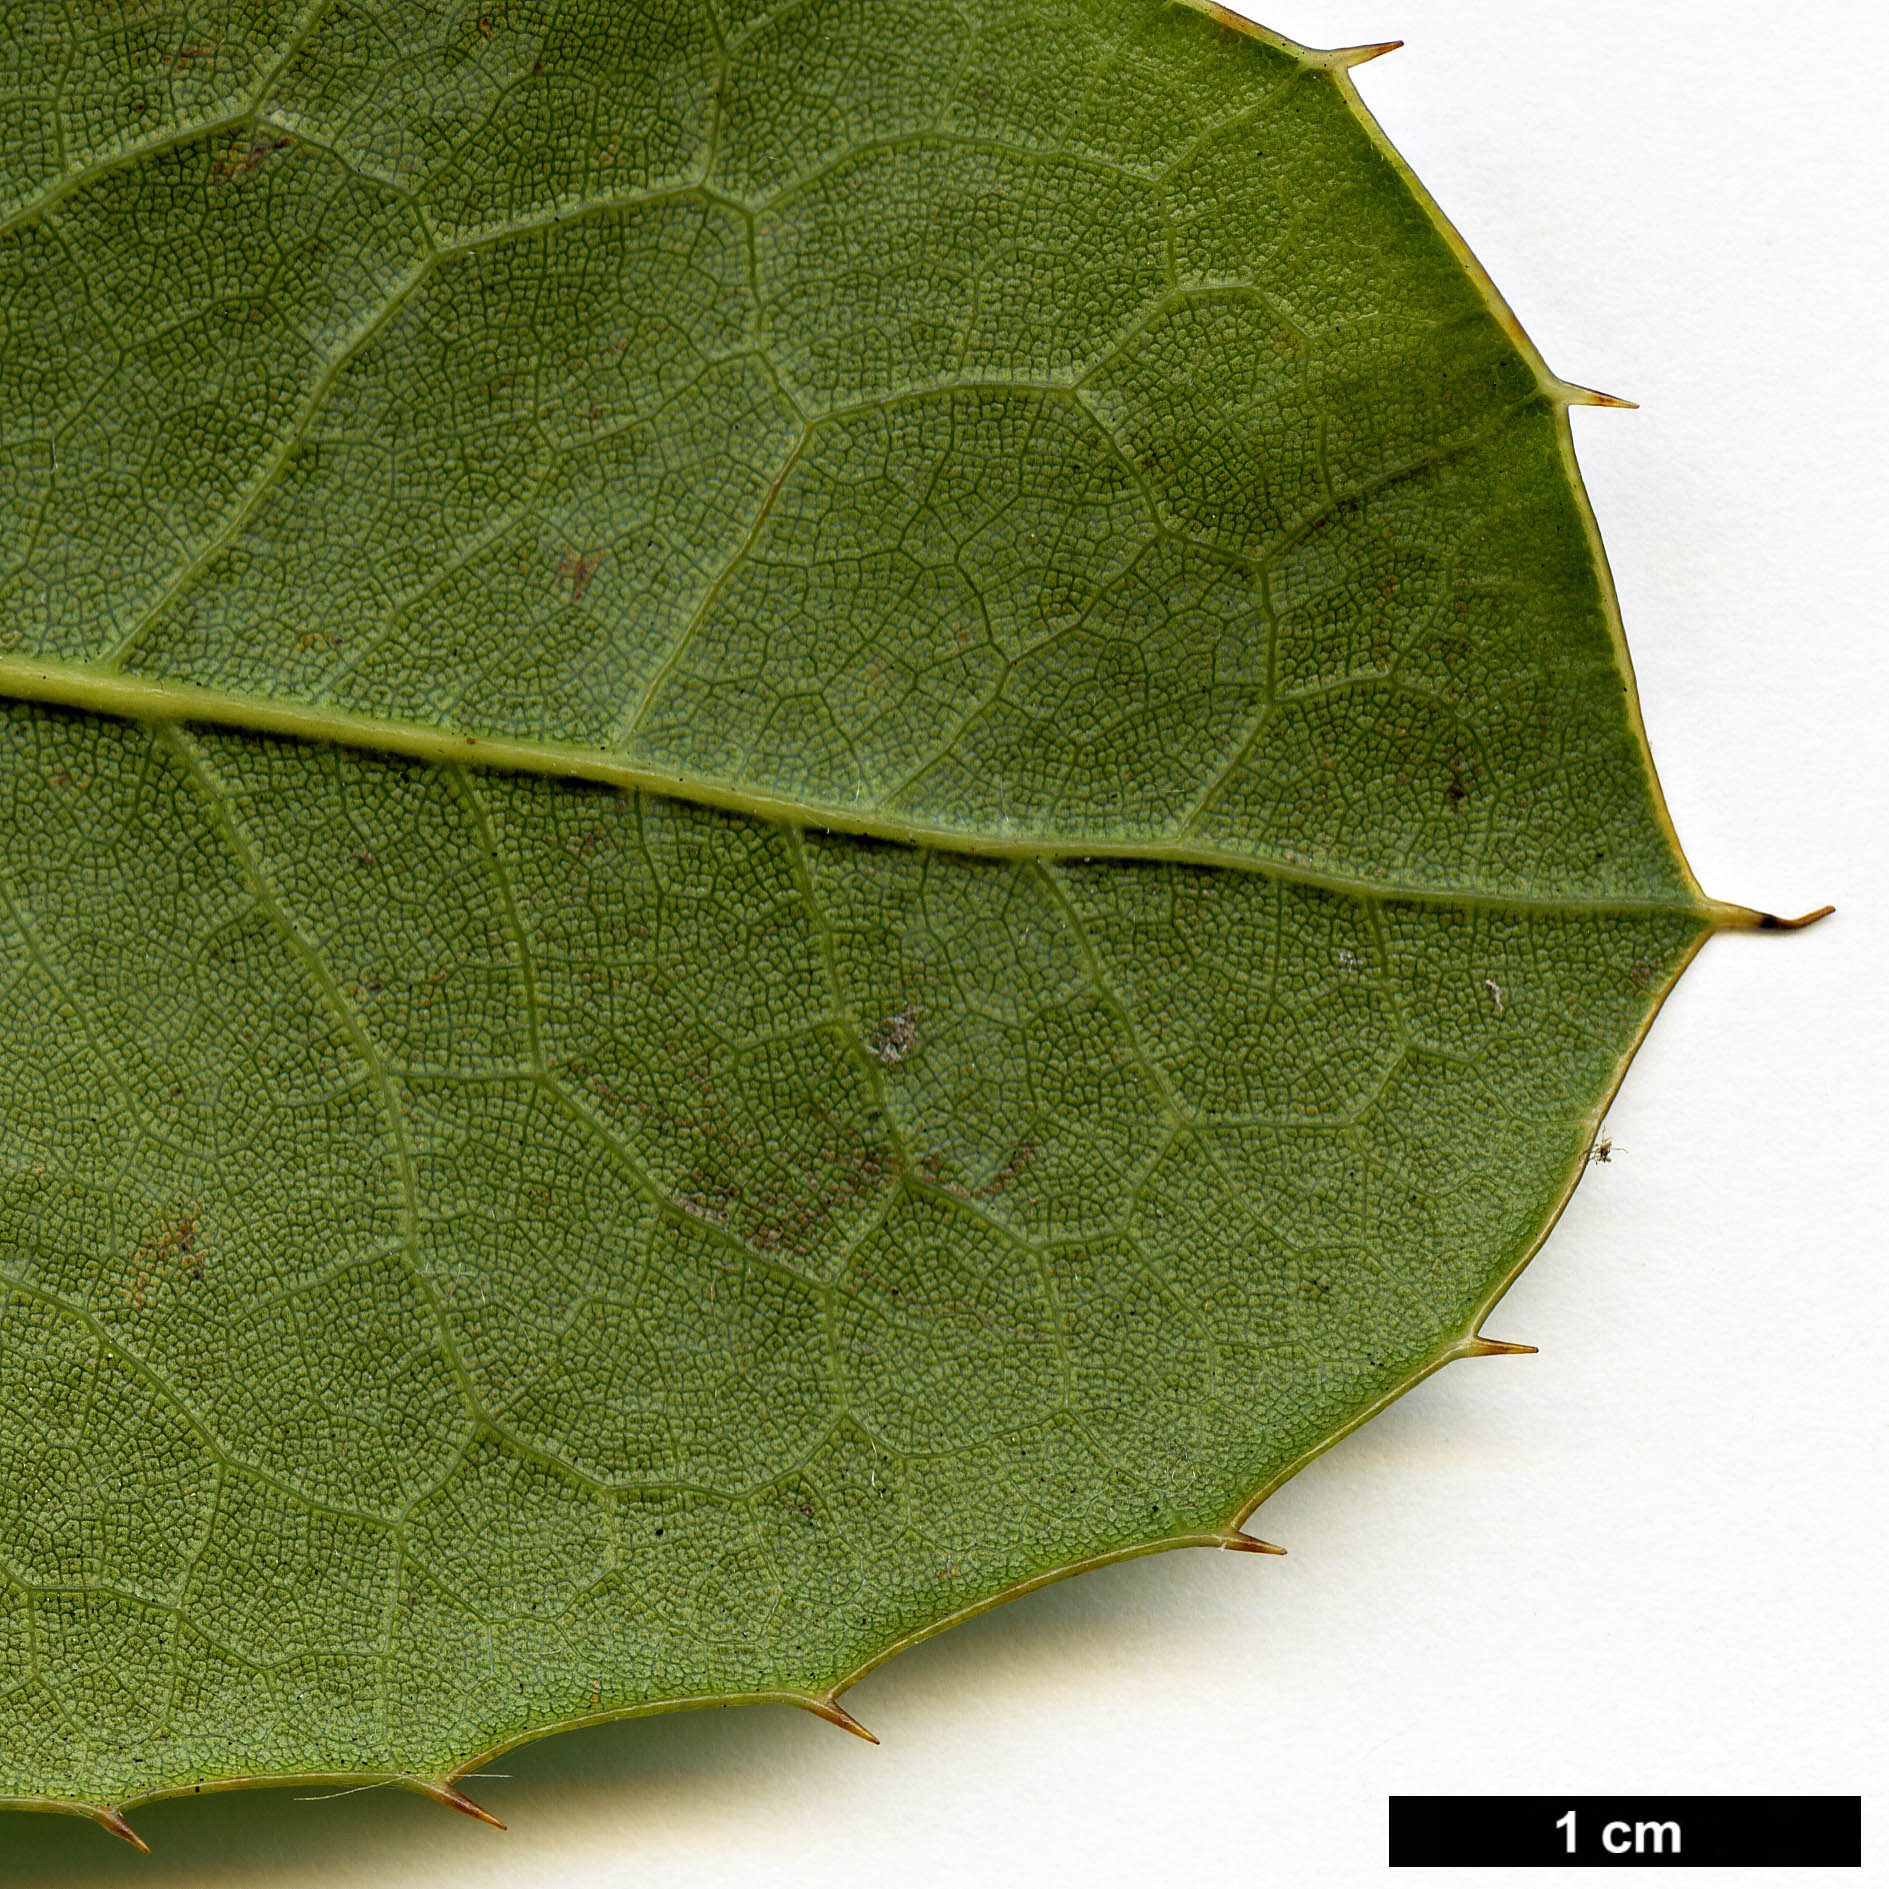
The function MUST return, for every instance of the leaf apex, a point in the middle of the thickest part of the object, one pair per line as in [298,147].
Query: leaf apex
[1769,921]
[457,1800]
[1745,918]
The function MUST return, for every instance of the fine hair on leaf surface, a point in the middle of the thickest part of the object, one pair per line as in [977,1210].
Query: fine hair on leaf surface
[808,810]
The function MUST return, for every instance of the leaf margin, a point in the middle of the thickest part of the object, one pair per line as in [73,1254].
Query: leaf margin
[90,688]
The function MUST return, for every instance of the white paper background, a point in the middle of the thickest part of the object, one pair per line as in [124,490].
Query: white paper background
[1647,1559]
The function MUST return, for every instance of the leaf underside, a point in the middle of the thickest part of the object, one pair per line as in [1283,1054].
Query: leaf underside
[1156,874]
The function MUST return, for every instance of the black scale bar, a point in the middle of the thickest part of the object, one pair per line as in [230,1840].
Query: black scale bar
[1632,1832]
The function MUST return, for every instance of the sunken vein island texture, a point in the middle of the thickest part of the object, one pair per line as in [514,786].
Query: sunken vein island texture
[802,810]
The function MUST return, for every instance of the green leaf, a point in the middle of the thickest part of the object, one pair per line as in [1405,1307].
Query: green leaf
[808,811]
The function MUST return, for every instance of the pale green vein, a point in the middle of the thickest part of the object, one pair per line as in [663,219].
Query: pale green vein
[132,698]
[300,34]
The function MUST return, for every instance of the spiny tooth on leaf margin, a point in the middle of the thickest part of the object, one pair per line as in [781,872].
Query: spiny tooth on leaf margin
[823,1705]
[1480,1347]
[457,1800]
[1337,59]
[1343,58]
[114,1821]
[1571,394]
[1247,1544]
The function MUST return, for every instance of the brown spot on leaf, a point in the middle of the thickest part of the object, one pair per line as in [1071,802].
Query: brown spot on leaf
[850,1168]
[577,568]
[177,1242]
[1461,784]
[246,156]
[895,1037]
[1024,1153]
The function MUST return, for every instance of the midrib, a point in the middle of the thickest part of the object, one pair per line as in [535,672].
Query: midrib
[134,698]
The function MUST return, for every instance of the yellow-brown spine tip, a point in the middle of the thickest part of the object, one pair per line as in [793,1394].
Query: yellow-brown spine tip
[1769,921]
[114,1821]
[1572,396]
[1247,1544]
[823,1705]
[1345,57]
[459,1801]
[1492,1348]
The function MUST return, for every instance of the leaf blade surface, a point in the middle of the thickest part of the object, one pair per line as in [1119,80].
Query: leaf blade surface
[545,1253]
[1130,463]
